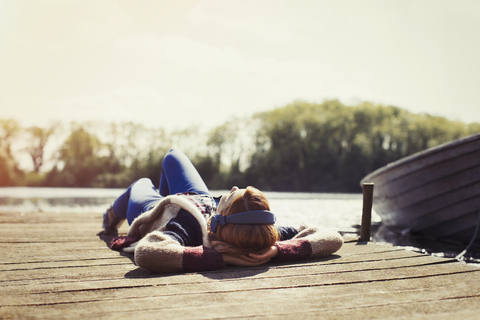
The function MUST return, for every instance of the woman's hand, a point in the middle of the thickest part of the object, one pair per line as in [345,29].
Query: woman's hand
[242,261]
[251,259]
[270,254]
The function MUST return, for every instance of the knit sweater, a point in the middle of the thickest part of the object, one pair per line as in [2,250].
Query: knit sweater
[174,238]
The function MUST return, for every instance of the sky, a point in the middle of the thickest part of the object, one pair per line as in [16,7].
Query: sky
[177,64]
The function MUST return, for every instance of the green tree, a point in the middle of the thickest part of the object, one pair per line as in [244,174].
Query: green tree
[80,159]
[10,174]
[330,146]
[230,146]
[38,140]
[325,147]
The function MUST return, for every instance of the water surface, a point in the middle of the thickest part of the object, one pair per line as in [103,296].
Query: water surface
[332,210]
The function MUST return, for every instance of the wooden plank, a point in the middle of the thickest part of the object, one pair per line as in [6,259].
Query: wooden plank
[73,274]
[246,281]
[125,290]
[59,280]
[101,252]
[425,175]
[280,301]
[101,267]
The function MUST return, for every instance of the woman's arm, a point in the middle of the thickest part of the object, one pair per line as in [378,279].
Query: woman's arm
[251,260]
[310,242]
[159,253]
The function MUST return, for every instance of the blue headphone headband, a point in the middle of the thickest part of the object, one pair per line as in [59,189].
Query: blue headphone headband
[247,217]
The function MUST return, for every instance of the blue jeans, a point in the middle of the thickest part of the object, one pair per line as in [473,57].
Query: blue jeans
[178,176]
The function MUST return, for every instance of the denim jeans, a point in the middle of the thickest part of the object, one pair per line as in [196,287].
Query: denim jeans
[178,176]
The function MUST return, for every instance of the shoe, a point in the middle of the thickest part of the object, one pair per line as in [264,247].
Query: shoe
[111,222]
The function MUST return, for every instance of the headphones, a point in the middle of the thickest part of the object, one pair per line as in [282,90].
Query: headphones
[247,217]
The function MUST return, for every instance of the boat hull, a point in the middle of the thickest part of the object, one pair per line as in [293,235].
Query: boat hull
[433,193]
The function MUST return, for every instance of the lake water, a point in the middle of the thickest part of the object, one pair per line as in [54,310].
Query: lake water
[332,210]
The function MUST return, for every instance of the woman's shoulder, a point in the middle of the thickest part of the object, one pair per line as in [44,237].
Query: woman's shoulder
[205,203]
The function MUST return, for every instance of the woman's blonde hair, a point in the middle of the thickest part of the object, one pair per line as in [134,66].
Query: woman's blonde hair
[239,239]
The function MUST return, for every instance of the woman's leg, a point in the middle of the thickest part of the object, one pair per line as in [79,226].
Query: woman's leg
[179,175]
[138,198]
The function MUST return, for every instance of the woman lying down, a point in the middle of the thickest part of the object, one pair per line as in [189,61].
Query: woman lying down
[182,228]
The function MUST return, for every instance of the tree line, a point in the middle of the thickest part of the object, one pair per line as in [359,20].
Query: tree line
[302,146]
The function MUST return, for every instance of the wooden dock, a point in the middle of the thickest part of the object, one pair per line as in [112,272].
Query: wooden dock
[53,265]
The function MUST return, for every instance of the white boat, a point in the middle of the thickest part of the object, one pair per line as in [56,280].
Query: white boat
[433,193]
